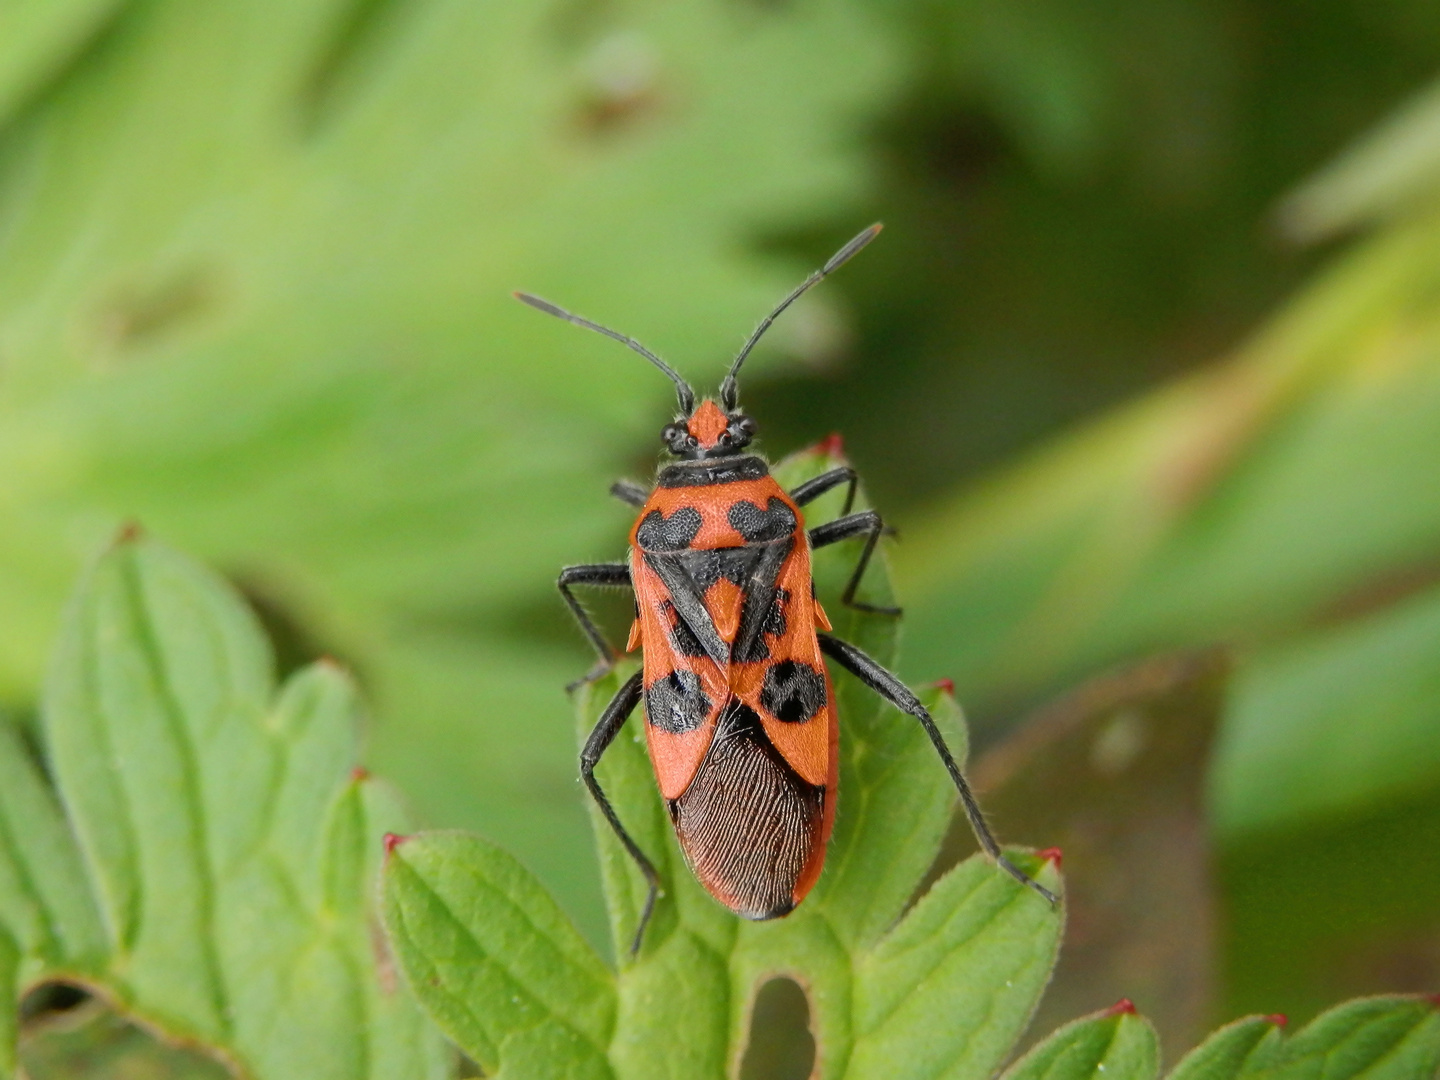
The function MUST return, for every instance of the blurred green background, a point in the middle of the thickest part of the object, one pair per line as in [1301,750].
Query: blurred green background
[1147,358]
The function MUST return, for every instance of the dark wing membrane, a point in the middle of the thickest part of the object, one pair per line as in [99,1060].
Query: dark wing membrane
[760,611]
[748,824]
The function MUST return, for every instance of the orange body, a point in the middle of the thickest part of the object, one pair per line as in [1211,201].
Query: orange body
[740,713]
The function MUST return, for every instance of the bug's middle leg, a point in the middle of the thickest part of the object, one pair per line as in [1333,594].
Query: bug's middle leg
[898,694]
[603,734]
[869,524]
[604,575]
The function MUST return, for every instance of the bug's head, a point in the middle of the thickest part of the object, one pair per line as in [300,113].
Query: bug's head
[709,431]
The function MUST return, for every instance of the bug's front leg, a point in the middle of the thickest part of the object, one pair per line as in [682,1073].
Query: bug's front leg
[869,524]
[898,694]
[603,575]
[603,734]
[816,486]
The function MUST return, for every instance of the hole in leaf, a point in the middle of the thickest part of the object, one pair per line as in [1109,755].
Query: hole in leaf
[781,1045]
[68,1033]
[52,1002]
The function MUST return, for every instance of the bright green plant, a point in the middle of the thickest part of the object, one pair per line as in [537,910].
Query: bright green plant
[203,859]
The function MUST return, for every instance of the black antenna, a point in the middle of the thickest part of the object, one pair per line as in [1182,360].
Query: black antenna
[730,388]
[682,388]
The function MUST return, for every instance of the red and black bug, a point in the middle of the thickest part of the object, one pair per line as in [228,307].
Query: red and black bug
[740,713]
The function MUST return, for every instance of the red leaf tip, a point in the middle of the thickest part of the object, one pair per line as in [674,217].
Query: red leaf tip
[833,445]
[946,686]
[1435,1000]
[1055,855]
[393,840]
[1278,1019]
[1124,1005]
[359,774]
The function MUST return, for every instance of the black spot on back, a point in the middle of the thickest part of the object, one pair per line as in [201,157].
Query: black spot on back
[659,533]
[676,703]
[793,690]
[775,522]
[748,823]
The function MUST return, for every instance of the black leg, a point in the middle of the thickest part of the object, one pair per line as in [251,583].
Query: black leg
[898,694]
[605,575]
[843,528]
[813,488]
[606,728]
[627,491]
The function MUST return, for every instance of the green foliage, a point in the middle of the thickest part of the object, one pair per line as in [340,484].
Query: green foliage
[1286,489]
[204,856]
[1107,1046]
[1384,1038]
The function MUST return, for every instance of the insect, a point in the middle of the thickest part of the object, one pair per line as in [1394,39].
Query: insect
[740,713]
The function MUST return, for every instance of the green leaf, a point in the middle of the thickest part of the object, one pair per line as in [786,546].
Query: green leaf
[1229,1052]
[490,955]
[38,37]
[950,989]
[943,990]
[9,1004]
[45,899]
[1381,1038]
[1112,1045]
[224,828]
[1362,699]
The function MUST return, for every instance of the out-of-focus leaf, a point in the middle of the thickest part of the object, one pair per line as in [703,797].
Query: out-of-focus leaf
[45,899]
[1323,723]
[38,37]
[9,1003]
[225,837]
[1387,173]
[944,990]
[1106,1046]
[1114,774]
[1241,505]
[1229,1052]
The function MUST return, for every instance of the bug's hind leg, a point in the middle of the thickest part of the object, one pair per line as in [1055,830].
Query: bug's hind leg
[869,524]
[898,694]
[627,491]
[603,734]
[603,575]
